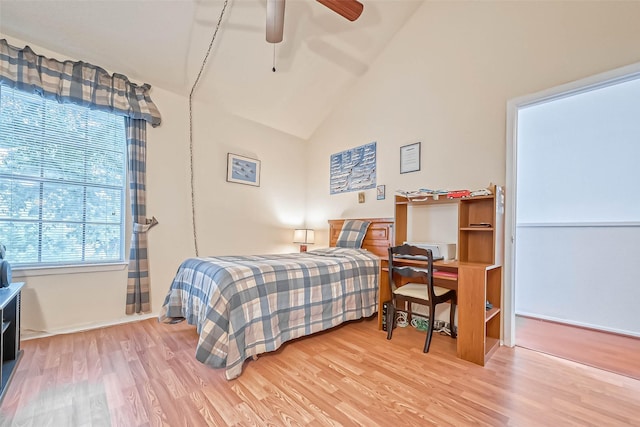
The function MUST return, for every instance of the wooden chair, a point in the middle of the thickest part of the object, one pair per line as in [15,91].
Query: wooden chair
[419,289]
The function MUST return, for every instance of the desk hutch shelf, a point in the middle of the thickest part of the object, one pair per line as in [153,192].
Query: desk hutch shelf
[477,273]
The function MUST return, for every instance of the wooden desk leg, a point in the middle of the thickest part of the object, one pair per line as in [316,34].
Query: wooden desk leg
[471,313]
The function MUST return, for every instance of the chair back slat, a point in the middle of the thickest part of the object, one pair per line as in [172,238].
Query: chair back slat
[424,271]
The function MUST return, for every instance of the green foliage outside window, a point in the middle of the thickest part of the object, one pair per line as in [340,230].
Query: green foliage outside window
[62,182]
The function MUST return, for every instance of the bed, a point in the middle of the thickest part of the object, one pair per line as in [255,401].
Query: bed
[243,306]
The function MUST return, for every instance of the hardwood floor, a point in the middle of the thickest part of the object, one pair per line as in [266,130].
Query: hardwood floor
[615,353]
[145,374]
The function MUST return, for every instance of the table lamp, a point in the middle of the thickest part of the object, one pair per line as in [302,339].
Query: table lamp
[304,236]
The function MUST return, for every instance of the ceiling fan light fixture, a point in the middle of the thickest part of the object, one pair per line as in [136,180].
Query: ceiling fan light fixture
[275,20]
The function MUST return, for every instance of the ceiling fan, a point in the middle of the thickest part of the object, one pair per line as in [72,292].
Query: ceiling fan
[349,9]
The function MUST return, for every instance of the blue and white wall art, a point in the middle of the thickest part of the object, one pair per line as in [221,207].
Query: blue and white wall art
[243,170]
[354,169]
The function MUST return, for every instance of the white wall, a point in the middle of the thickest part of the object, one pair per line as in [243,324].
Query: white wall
[581,275]
[445,79]
[578,156]
[242,219]
[231,218]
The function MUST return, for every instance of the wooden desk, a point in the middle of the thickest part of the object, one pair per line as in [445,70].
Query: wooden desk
[475,283]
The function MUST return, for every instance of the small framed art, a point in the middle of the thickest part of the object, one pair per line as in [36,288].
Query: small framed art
[243,170]
[380,190]
[410,158]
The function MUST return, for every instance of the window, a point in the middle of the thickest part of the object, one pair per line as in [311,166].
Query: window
[62,182]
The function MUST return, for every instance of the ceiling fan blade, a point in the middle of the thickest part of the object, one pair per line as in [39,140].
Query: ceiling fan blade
[275,20]
[350,9]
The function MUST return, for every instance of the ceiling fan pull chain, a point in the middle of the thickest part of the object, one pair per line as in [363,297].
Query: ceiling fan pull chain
[274,58]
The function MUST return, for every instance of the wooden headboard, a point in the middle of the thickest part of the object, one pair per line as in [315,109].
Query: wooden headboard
[378,238]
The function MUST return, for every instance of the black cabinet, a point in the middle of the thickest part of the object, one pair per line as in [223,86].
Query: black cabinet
[10,352]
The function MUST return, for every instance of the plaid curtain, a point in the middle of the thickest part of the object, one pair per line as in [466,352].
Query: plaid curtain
[90,86]
[138,280]
[75,82]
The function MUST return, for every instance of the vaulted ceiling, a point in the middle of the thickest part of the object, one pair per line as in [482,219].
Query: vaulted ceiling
[163,42]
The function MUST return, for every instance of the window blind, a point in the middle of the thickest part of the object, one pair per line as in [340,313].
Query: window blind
[62,182]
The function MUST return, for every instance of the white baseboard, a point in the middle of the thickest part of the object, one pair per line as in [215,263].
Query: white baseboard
[580,324]
[24,336]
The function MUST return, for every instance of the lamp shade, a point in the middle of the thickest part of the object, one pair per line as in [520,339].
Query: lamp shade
[304,236]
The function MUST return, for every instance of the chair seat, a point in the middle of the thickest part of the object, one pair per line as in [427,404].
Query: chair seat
[419,290]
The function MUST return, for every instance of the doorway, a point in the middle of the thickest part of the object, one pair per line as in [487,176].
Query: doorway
[573,221]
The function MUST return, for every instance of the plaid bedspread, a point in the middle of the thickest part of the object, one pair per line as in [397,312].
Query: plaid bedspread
[248,305]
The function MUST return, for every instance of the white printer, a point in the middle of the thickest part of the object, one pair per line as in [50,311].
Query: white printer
[439,250]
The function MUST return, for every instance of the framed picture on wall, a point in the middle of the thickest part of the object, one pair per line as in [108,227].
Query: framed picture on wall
[380,190]
[410,158]
[243,170]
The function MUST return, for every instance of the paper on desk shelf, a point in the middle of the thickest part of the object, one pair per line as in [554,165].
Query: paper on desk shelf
[421,194]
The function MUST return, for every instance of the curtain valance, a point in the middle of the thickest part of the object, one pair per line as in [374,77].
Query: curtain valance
[76,82]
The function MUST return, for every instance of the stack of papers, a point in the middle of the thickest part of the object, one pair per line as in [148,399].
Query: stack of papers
[422,194]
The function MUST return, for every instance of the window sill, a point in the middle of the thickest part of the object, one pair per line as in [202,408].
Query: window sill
[66,269]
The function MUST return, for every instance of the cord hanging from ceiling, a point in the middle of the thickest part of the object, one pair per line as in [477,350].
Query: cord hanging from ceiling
[193,88]
[274,58]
